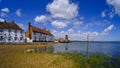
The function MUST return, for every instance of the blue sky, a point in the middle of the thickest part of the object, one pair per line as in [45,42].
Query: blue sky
[76,18]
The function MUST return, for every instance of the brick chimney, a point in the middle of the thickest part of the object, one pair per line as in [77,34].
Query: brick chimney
[5,21]
[44,28]
[12,21]
[29,25]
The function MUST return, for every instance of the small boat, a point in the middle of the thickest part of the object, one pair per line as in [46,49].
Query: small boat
[64,41]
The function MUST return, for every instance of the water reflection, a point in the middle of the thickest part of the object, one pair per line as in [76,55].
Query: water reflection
[49,49]
[111,49]
[66,46]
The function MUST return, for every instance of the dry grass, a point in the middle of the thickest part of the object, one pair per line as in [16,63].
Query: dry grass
[13,56]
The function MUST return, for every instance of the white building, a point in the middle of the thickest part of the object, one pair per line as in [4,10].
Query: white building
[11,32]
[35,34]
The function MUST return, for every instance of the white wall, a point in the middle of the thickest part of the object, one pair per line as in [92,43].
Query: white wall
[42,37]
[12,34]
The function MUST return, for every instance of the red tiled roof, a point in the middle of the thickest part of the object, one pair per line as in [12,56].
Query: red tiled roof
[39,30]
[9,25]
[36,29]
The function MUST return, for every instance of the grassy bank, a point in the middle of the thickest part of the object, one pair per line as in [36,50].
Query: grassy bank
[13,56]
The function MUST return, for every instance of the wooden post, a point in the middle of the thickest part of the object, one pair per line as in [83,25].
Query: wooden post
[87,44]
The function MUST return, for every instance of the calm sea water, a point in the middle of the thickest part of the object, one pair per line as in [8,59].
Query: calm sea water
[111,49]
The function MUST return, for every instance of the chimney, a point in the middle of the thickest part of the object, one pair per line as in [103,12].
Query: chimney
[66,37]
[29,24]
[44,28]
[12,21]
[5,21]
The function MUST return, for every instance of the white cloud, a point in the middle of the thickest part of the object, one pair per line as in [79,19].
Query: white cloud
[95,24]
[81,18]
[77,23]
[6,10]
[116,5]
[73,35]
[112,13]
[54,31]
[108,29]
[70,31]
[80,35]
[94,34]
[41,18]
[18,12]
[3,14]
[58,24]
[2,20]
[63,9]
[62,32]
[103,14]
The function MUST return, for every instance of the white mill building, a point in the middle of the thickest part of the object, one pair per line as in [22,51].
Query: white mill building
[35,34]
[11,32]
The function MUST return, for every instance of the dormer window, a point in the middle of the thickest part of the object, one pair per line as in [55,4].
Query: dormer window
[1,30]
[34,33]
[15,31]
[9,30]
[21,31]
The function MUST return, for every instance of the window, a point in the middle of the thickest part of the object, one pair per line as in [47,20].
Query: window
[9,38]
[21,38]
[15,31]
[9,30]
[1,38]
[34,33]
[5,35]
[21,31]
[21,35]
[35,38]
[9,34]
[1,30]
[15,38]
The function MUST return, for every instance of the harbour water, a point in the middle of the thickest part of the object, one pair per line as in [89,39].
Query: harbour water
[111,49]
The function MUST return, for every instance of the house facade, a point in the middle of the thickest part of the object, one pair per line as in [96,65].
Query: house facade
[35,34]
[11,32]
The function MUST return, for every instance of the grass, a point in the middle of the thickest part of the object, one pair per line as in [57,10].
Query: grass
[13,56]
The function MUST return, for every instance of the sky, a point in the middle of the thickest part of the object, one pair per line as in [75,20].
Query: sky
[100,19]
